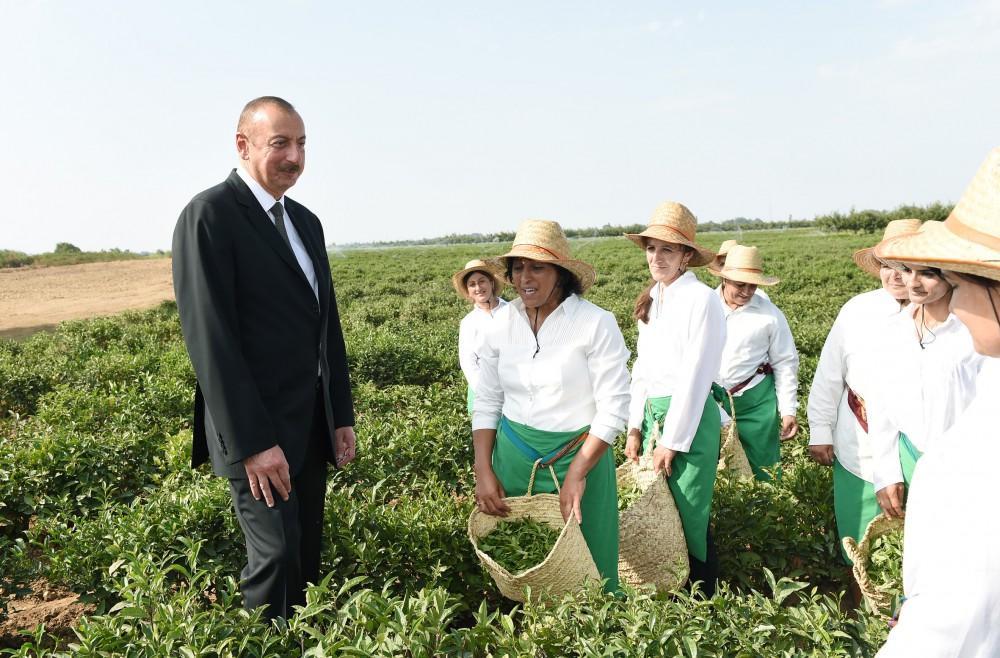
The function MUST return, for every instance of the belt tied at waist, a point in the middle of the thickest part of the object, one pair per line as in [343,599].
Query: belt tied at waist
[857,406]
[763,369]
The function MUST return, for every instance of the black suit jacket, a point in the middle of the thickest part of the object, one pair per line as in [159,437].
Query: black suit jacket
[254,329]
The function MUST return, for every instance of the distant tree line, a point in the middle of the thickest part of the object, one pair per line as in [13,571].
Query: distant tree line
[860,221]
[66,253]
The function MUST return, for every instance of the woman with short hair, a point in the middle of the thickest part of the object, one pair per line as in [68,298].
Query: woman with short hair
[553,389]
[951,540]
[480,283]
[760,365]
[672,414]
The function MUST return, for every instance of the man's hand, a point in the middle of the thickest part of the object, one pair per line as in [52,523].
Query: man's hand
[632,444]
[822,454]
[663,458]
[489,493]
[789,427]
[267,469]
[345,445]
[890,499]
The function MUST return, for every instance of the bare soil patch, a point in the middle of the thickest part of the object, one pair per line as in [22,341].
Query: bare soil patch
[56,607]
[34,299]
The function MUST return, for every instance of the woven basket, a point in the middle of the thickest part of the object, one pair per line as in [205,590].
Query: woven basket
[564,569]
[860,552]
[732,457]
[651,545]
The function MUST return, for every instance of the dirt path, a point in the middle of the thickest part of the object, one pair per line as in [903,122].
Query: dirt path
[36,299]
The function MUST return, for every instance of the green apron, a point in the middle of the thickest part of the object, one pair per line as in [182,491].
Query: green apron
[599,506]
[758,423]
[693,480]
[854,505]
[470,398]
[908,457]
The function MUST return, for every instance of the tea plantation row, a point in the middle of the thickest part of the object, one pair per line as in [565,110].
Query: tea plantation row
[96,493]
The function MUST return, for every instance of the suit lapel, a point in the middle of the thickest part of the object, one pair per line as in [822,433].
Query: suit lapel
[261,223]
[313,248]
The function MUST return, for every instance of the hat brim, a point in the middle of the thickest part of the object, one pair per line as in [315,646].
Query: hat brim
[489,270]
[700,257]
[584,272]
[755,278]
[865,259]
[936,246]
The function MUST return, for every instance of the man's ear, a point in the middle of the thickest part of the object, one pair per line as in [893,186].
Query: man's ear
[243,146]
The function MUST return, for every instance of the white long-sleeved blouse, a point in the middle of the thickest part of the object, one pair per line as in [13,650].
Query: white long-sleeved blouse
[575,375]
[678,354]
[951,520]
[849,359]
[758,333]
[921,391]
[469,333]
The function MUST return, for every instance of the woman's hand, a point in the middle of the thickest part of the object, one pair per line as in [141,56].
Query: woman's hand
[822,454]
[571,494]
[789,427]
[489,493]
[663,459]
[890,499]
[632,444]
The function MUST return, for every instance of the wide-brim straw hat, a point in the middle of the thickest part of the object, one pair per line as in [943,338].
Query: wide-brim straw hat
[673,222]
[969,240]
[544,240]
[865,258]
[745,265]
[720,256]
[477,265]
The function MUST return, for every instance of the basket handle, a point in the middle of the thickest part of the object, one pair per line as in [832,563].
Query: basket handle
[732,406]
[534,469]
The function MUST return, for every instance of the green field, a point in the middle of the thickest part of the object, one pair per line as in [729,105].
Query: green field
[96,494]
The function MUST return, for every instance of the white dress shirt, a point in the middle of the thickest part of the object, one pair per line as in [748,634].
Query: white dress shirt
[850,359]
[469,335]
[266,202]
[951,544]
[921,392]
[575,375]
[678,354]
[758,333]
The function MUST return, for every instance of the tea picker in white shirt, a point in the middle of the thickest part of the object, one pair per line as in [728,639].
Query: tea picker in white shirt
[480,283]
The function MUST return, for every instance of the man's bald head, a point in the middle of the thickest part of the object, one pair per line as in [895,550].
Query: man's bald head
[257,104]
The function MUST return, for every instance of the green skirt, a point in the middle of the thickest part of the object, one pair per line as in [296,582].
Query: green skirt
[908,457]
[470,398]
[758,423]
[599,506]
[692,482]
[854,505]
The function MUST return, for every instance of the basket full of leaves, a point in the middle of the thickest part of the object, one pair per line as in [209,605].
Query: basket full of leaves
[732,456]
[532,547]
[878,562]
[651,545]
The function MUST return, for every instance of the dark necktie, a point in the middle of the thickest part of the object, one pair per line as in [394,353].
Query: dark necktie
[279,223]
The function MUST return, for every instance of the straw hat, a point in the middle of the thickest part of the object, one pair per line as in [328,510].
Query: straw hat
[865,258]
[720,258]
[477,265]
[544,240]
[744,264]
[969,240]
[672,222]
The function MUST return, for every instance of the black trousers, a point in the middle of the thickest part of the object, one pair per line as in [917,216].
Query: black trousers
[284,542]
[708,571]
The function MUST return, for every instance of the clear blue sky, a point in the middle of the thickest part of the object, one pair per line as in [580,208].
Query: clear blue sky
[426,118]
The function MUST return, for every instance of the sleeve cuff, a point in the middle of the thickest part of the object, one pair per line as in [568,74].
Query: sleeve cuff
[484,421]
[820,435]
[605,433]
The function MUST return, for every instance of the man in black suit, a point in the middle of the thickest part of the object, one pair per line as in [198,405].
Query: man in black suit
[273,402]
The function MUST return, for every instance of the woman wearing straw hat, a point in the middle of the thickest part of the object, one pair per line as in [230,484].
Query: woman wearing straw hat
[951,574]
[672,413]
[845,376]
[760,365]
[478,282]
[553,386]
[720,260]
[933,367]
